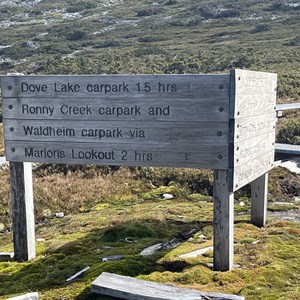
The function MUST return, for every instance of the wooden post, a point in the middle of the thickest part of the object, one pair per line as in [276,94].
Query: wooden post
[259,192]
[223,221]
[22,211]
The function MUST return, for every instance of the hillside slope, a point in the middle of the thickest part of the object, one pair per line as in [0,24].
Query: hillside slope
[165,36]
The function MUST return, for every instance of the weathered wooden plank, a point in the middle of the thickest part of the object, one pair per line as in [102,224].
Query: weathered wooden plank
[182,135]
[223,221]
[287,106]
[251,170]
[111,86]
[125,287]
[118,154]
[129,109]
[253,148]
[255,83]
[251,127]
[287,149]
[254,105]
[22,211]
[259,199]
[28,296]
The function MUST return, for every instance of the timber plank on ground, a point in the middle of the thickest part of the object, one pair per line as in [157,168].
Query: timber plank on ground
[129,288]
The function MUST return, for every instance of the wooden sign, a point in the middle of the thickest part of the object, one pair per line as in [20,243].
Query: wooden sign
[147,120]
[224,122]
[253,120]
[221,122]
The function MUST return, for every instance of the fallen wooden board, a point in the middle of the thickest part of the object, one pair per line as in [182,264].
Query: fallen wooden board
[29,296]
[125,287]
[196,252]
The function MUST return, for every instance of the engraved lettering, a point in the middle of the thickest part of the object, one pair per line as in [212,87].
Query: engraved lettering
[48,131]
[25,87]
[66,88]
[37,110]
[93,154]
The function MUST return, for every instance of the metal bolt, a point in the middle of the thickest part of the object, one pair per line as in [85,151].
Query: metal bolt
[9,87]
[221,109]
[219,133]
[221,86]
[220,156]
[13,149]
[10,107]
[11,129]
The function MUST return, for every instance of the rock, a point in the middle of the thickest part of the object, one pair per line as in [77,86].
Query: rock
[40,240]
[59,215]
[167,196]
[242,203]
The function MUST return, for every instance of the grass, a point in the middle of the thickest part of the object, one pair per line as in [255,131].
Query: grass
[268,257]
[140,37]
[136,37]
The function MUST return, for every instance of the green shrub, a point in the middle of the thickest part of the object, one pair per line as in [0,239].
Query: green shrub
[260,28]
[80,6]
[76,35]
[289,132]
[171,2]
[149,12]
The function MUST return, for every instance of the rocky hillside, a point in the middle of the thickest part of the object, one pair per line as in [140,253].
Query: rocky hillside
[164,36]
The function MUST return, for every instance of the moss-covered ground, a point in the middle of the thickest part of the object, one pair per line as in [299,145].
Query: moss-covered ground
[269,257]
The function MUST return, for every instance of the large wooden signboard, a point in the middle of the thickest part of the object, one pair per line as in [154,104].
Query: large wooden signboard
[253,118]
[176,120]
[224,122]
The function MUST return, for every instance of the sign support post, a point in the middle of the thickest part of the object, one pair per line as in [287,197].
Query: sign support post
[259,192]
[223,221]
[22,211]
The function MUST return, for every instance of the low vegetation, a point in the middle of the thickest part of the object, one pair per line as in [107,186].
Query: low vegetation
[105,205]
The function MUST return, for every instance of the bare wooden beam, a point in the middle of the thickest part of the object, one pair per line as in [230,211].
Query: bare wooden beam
[129,288]
[223,222]
[259,192]
[22,211]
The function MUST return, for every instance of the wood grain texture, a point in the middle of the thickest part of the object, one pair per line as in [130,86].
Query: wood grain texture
[251,170]
[167,134]
[255,105]
[259,199]
[251,127]
[113,154]
[249,150]
[125,287]
[128,86]
[255,83]
[22,211]
[119,109]
[223,221]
